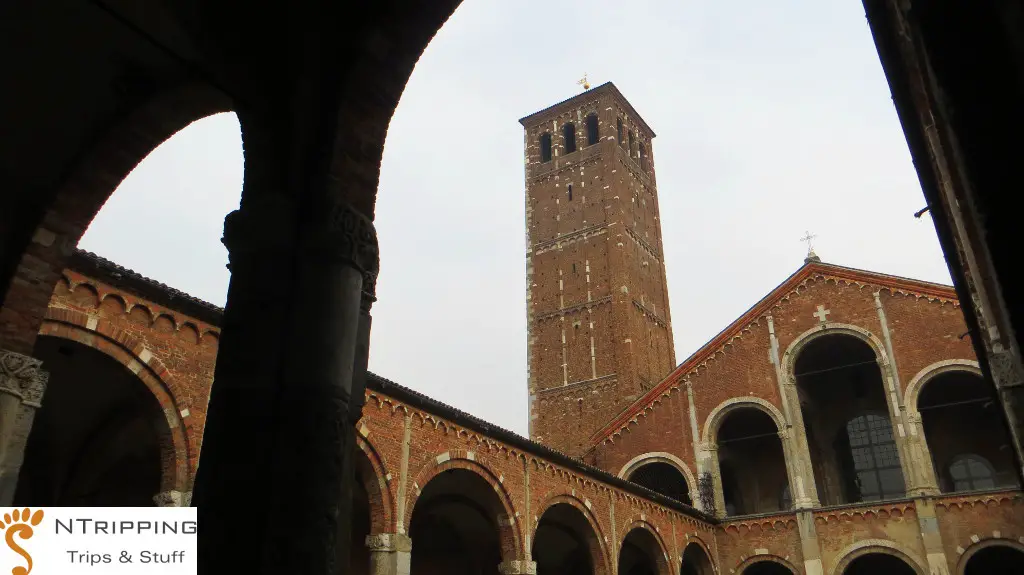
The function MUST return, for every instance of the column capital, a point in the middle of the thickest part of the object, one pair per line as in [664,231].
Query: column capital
[173,498]
[23,376]
[389,542]
[518,567]
[340,232]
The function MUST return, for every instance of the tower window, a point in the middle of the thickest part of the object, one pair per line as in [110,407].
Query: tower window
[643,158]
[632,143]
[618,130]
[545,147]
[570,192]
[569,136]
[592,134]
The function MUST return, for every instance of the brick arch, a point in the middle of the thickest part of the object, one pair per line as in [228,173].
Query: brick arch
[917,383]
[717,416]
[566,496]
[509,528]
[961,564]
[829,328]
[764,558]
[883,546]
[97,173]
[375,478]
[661,457]
[177,459]
[664,560]
[699,542]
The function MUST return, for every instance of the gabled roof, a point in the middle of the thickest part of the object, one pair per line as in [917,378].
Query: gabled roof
[807,271]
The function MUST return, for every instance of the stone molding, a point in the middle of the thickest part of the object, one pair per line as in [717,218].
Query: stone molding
[518,567]
[173,498]
[388,543]
[23,376]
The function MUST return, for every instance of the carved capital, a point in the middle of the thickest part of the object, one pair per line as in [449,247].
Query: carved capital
[23,376]
[263,228]
[341,233]
[173,499]
[388,543]
[517,567]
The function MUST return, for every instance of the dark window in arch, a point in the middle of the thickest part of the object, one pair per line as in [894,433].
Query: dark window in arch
[632,144]
[569,137]
[545,147]
[592,131]
[662,478]
[971,472]
[618,130]
[643,157]
[570,192]
[874,459]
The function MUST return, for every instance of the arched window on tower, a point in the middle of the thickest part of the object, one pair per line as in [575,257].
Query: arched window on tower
[632,144]
[592,132]
[643,157]
[569,137]
[545,147]
[618,131]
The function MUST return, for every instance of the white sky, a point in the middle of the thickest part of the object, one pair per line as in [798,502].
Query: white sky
[772,118]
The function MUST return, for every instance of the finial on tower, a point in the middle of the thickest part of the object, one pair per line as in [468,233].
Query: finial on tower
[811,256]
[583,82]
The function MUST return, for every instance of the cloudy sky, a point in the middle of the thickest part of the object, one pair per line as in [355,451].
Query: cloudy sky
[773,118]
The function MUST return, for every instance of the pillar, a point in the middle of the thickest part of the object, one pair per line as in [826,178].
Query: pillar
[931,537]
[173,498]
[390,554]
[809,547]
[708,457]
[518,567]
[22,384]
[924,482]
[280,430]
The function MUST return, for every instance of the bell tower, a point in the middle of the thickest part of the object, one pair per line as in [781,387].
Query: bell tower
[599,331]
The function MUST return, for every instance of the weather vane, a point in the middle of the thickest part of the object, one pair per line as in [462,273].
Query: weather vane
[809,238]
[583,82]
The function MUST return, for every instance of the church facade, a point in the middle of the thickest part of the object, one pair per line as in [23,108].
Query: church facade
[841,425]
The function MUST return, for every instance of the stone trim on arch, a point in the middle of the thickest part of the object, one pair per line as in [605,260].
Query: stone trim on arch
[714,419]
[883,546]
[917,383]
[382,501]
[702,545]
[826,329]
[509,525]
[567,496]
[179,462]
[764,558]
[996,539]
[665,562]
[661,457]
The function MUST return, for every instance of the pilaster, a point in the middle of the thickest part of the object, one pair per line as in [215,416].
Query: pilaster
[809,543]
[931,537]
[22,384]
[390,554]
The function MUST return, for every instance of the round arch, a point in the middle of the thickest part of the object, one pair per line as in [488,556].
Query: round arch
[696,558]
[718,414]
[883,546]
[801,341]
[510,531]
[917,383]
[765,558]
[178,461]
[660,457]
[372,472]
[961,564]
[662,560]
[602,562]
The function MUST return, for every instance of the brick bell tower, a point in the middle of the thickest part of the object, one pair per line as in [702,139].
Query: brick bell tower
[599,329]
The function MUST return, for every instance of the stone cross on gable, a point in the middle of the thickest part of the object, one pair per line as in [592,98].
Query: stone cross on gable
[822,314]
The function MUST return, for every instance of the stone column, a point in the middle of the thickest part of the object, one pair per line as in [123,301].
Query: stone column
[925,482]
[518,567]
[22,384]
[173,498]
[711,465]
[390,554]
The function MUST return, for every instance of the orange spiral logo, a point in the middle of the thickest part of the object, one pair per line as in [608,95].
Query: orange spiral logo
[20,522]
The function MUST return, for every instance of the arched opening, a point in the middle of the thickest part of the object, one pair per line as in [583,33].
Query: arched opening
[545,147]
[662,478]
[966,435]
[752,462]
[849,433]
[565,543]
[995,560]
[569,137]
[632,144]
[642,154]
[592,132]
[767,568]
[875,563]
[100,438]
[695,561]
[641,554]
[454,526]
[618,132]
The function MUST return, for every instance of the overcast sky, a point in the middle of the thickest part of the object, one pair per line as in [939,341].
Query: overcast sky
[773,118]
